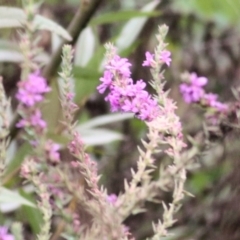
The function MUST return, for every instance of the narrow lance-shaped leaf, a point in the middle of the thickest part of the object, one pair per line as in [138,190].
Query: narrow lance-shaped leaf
[92,137]
[8,196]
[85,47]
[106,119]
[11,17]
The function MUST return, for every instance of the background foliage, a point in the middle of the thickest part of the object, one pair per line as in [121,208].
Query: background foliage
[203,37]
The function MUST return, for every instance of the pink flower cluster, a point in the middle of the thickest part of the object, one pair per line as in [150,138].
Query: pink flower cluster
[123,94]
[31,91]
[193,92]
[33,120]
[52,153]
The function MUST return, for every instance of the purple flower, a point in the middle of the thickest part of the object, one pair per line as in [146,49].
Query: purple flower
[34,120]
[52,150]
[106,81]
[4,234]
[119,65]
[112,198]
[149,60]
[165,57]
[31,91]
[37,121]
[22,123]
[198,81]
[211,100]
[123,95]
[193,91]
[28,98]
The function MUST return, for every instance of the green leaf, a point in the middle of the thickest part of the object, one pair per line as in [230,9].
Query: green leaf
[32,215]
[85,72]
[97,59]
[106,119]
[93,137]
[11,17]
[16,17]
[85,47]
[121,16]
[51,109]
[199,182]
[10,56]
[9,45]
[86,80]
[9,196]
[133,27]
[16,162]
[60,139]
[224,12]
[43,23]
[67,237]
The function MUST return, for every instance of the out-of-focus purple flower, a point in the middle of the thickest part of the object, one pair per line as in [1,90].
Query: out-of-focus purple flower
[210,99]
[193,91]
[37,121]
[52,150]
[112,198]
[22,123]
[34,120]
[198,81]
[149,60]
[4,235]
[123,94]
[165,56]
[31,91]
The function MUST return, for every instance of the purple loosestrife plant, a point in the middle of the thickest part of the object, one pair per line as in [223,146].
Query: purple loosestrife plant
[105,223]
[164,127]
[30,93]
[31,90]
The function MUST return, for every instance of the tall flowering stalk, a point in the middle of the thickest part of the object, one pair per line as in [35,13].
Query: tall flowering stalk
[164,127]
[4,142]
[31,91]
[4,120]
[105,224]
